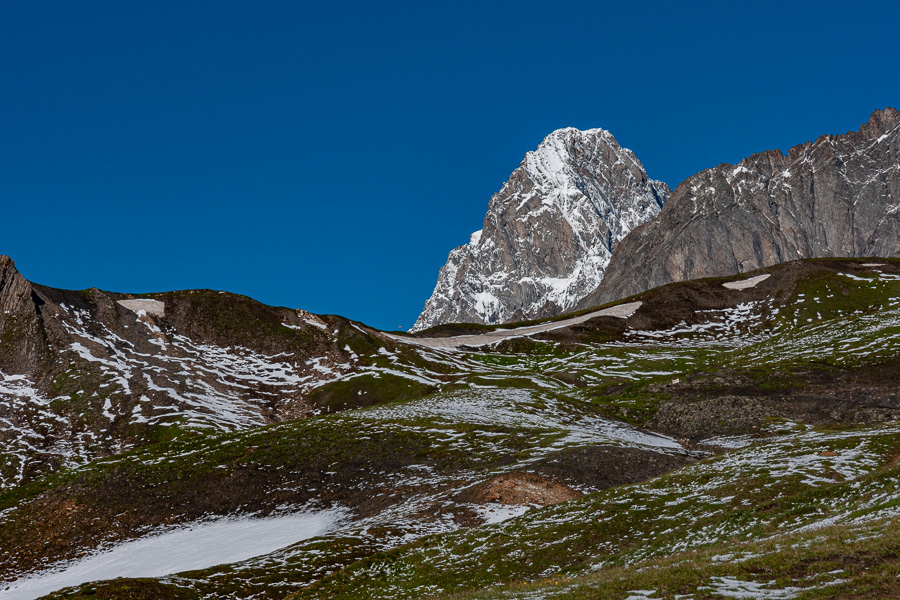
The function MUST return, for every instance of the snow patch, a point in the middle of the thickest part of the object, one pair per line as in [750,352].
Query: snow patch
[746,283]
[621,311]
[184,549]
[731,587]
[493,513]
[151,307]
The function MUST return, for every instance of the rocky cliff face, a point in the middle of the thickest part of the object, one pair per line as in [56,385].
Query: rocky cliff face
[548,234]
[23,345]
[837,196]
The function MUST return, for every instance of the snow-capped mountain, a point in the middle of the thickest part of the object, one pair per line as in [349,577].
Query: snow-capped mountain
[548,234]
[836,196]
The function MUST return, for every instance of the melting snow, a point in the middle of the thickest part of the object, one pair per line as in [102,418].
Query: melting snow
[151,307]
[507,407]
[746,283]
[184,549]
[498,513]
[735,588]
[731,442]
[622,311]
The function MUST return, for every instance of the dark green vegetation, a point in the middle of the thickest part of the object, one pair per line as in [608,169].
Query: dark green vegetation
[231,319]
[366,391]
[130,589]
[728,503]
[781,399]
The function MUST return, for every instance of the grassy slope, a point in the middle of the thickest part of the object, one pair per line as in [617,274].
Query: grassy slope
[860,560]
[850,337]
[765,490]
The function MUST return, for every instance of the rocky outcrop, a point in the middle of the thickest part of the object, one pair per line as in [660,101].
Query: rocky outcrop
[837,196]
[14,289]
[548,234]
[22,343]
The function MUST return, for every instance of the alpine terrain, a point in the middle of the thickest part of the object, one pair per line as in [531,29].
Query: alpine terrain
[718,438]
[548,233]
[836,196]
[720,418]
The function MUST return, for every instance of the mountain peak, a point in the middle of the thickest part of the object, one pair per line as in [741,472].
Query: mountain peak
[880,121]
[548,233]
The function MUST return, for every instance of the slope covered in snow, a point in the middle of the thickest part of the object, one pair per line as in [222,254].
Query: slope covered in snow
[548,233]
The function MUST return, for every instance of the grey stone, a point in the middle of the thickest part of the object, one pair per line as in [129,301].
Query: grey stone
[548,233]
[838,196]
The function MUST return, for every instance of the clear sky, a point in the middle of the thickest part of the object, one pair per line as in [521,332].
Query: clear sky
[329,155]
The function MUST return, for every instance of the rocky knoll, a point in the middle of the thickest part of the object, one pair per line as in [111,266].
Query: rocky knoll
[548,234]
[838,196]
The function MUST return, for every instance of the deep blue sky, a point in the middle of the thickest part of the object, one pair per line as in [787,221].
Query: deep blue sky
[329,155]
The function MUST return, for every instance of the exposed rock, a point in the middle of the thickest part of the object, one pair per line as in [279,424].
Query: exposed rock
[15,291]
[837,196]
[548,234]
[722,415]
[520,488]
[22,344]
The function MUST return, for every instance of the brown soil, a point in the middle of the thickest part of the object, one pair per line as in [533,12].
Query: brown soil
[519,488]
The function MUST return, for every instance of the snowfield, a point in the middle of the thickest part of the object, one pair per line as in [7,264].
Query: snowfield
[187,548]
[622,311]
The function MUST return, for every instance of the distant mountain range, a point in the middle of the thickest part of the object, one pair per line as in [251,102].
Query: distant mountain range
[579,223]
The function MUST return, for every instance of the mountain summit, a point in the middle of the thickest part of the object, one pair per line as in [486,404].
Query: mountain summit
[548,234]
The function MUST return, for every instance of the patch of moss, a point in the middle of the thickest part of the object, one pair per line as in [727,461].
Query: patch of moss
[366,390]
[233,319]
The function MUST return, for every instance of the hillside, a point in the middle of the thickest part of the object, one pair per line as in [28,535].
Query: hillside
[720,434]
[836,196]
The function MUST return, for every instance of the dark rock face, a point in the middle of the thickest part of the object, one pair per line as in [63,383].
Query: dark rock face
[548,234]
[602,467]
[22,345]
[838,196]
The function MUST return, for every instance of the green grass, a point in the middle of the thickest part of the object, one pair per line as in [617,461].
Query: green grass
[720,500]
[366,390]
[661,534]
[126,589]
[861,561]
[227,318]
